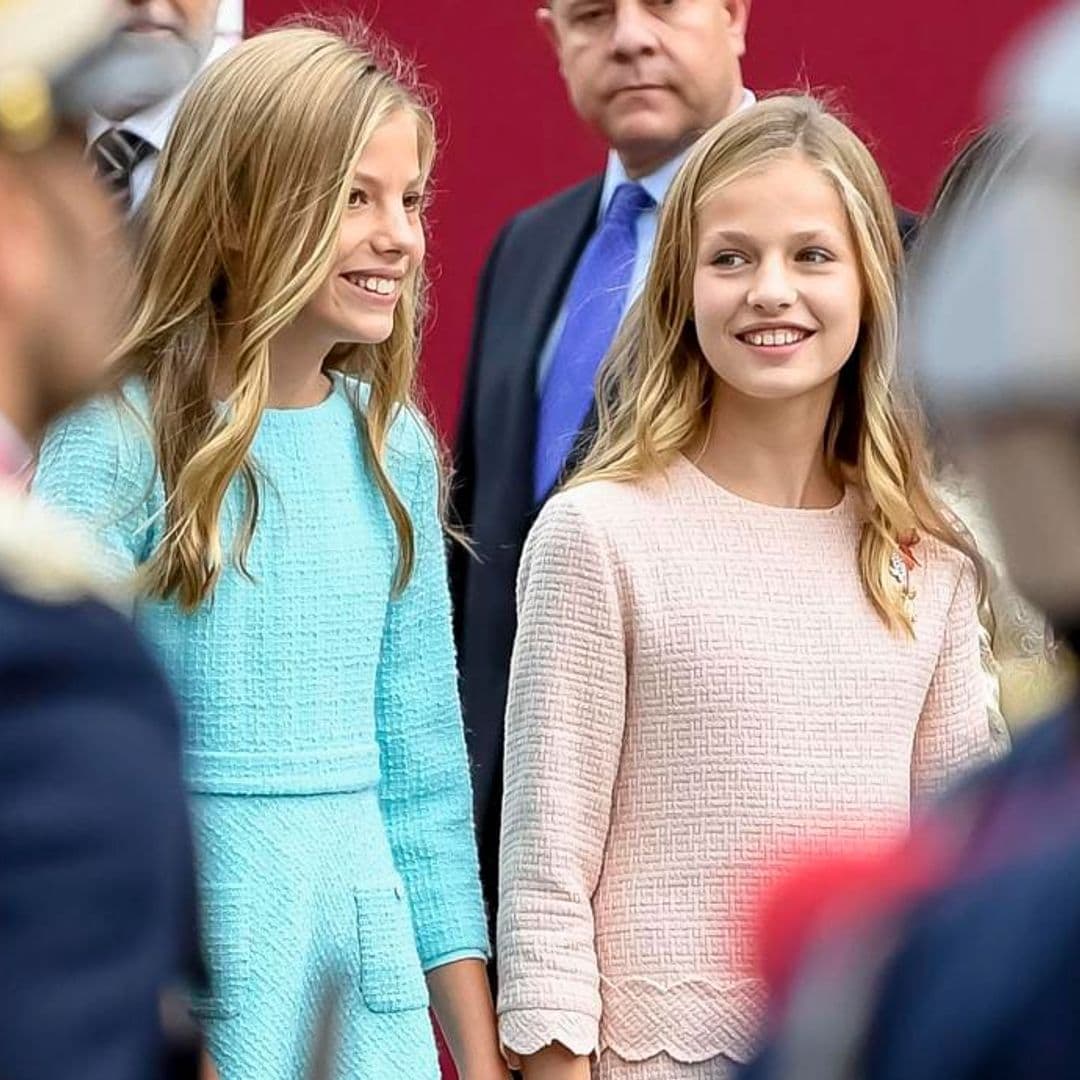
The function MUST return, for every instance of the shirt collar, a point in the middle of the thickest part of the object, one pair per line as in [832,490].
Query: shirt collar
[152,124]
[656,183]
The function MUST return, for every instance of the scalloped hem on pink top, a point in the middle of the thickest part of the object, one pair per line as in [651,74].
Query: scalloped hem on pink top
[528,1031]
[690,1020]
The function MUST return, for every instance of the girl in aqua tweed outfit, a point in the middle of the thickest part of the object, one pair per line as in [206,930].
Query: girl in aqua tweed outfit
[263,470]
[746,628]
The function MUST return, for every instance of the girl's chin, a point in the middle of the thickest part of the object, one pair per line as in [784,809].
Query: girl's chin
[369,332]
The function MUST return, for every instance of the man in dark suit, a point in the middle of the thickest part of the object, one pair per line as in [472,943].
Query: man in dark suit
[96,880]
[649,77]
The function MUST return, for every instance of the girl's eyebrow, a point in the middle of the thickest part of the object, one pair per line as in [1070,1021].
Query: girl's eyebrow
[736,235]
[806,236]
[803,236]
[374,181]
[731,236]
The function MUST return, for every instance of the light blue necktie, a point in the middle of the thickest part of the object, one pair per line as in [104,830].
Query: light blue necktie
[594,307]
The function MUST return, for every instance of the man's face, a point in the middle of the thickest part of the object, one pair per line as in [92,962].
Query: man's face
[162,45]
[192,20]
[649,74]
[64,278]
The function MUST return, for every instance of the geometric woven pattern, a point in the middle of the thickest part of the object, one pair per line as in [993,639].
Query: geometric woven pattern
[701,694]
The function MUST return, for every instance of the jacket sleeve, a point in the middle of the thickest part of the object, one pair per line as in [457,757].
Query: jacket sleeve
[953,733]
[565,721]
[466,451]
[425,792]
[96,870]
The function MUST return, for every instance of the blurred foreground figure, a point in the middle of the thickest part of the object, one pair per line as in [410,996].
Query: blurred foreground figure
[958,956]
[1034,672]
[96,890]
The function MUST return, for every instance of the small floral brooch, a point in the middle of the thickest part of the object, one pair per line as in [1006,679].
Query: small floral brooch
[901,564]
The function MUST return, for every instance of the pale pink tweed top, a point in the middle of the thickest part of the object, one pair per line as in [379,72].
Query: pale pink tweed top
[700,690]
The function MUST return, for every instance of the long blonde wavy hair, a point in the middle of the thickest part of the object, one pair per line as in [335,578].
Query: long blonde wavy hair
[241,230]
[655,387]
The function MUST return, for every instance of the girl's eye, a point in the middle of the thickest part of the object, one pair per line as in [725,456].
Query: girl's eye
[357,198]
[816,256]
[414,202]
[729,260]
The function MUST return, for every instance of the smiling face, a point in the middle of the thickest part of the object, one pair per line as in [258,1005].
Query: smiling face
[777,285]
[649,74]
[381,242]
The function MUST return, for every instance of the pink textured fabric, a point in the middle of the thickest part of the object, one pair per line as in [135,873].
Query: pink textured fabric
[702,693]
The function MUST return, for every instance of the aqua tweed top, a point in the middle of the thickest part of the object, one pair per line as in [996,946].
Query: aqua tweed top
[307,677]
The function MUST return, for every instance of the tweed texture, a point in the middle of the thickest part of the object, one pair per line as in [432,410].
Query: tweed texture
[610,1066]
[700,695]
[323,743]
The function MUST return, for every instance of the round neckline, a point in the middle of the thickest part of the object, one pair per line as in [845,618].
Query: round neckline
[707,483]
[305,410]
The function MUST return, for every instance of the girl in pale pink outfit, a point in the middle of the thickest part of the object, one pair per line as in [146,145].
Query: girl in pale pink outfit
[746,629]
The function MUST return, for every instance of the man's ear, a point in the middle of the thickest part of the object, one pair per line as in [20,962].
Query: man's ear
[739,18]
[545,19]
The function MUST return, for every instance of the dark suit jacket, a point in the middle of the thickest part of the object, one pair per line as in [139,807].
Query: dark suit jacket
[96,882]
[520,290]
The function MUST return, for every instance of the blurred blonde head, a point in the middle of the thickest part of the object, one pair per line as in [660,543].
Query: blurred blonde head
[656,386]
[241,231]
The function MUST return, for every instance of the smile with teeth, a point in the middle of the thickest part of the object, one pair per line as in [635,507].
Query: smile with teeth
[781,336]
[381,286]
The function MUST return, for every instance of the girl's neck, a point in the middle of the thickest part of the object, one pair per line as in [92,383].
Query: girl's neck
[297,378]
[770,451]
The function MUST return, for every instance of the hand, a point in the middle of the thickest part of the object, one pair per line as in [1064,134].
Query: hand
[555,1062]
[461,997]
[495,1070]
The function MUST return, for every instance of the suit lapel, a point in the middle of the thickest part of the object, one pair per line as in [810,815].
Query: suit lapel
[554,266]
[544,270]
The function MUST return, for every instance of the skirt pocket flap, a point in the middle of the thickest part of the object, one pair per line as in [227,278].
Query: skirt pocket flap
[391,979]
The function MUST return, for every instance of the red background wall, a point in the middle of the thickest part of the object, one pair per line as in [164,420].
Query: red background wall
[909,75]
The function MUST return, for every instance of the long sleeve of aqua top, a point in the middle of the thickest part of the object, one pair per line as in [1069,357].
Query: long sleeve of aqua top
[97,464]
[425,794]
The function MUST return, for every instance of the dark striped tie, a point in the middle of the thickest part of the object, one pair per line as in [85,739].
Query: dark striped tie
[116,155]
